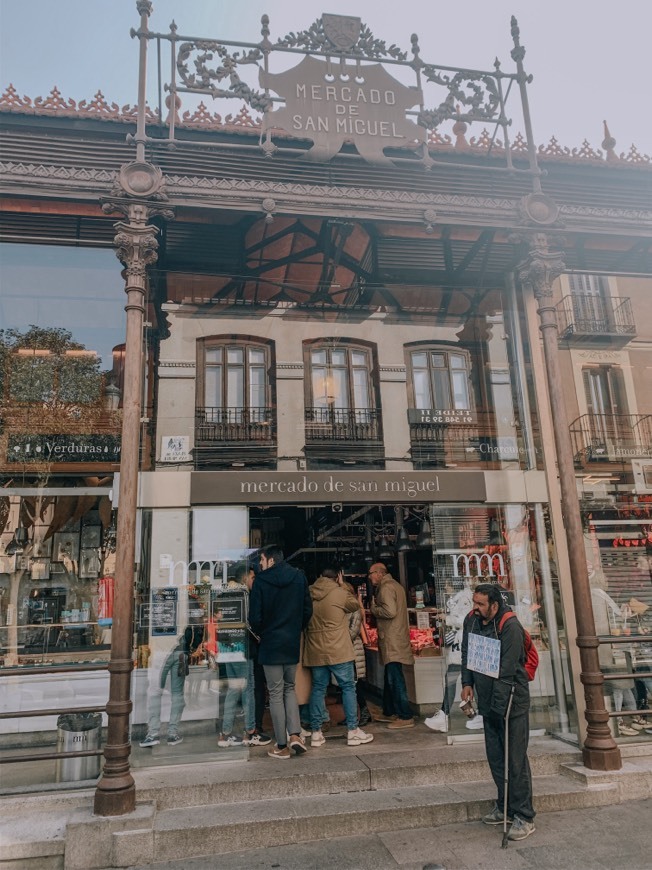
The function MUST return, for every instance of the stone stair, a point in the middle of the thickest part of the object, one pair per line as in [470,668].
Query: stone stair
[197,810]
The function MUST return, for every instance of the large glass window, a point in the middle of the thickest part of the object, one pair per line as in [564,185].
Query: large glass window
[340,379]
[235,385]
[440,379]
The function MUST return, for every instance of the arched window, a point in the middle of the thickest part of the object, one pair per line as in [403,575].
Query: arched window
[440,378]
[234,385]
[340,380]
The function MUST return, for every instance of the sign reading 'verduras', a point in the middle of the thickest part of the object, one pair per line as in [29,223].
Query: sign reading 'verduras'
[334,103]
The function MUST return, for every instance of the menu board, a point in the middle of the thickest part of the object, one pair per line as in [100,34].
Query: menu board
[229,609]
[164,612]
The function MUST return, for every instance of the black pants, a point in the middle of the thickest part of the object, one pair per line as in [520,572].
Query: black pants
[260,690]
[519,796]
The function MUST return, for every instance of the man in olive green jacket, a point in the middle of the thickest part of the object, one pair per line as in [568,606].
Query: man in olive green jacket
[389,606]
[328,649]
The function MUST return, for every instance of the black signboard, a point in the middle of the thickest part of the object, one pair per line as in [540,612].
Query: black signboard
[63,448]
[229,609]
[442,417]
[164,612]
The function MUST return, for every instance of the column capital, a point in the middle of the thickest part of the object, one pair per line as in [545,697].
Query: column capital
[540,266]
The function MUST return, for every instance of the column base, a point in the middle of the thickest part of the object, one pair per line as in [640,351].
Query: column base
[602,759]
[115,803]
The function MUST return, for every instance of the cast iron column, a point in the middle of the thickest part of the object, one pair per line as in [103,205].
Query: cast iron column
[539,269]
[136,248]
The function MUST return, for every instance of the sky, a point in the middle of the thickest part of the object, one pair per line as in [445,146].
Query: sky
[590,61]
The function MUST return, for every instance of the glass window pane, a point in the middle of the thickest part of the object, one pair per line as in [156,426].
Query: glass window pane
[338,357]
[340,391]
[257,387]
[359,359]
[235,388]
[442,389]
[214,355]
[318,386]
[256,356]
[419,360]
[460,390]
[360,389]
[422,390]
[458,361]
[235,355]
[438,360]
[213,387]
[318,357]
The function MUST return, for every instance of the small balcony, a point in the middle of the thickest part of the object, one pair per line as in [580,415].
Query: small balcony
[343,433]
[457,438]
[597,320]
[224,436]
[611,438]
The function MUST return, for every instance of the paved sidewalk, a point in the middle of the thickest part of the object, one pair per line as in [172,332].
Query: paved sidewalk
[606,838]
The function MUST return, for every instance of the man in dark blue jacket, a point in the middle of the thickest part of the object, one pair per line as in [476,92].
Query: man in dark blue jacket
[280,608]
[493,665]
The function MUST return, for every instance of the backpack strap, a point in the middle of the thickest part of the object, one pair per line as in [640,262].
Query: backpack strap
[504,618]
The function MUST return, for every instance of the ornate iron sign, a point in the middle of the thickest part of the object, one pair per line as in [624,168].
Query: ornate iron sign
[332,105]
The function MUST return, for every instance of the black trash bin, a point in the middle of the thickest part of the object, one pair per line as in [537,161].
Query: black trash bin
[76,732]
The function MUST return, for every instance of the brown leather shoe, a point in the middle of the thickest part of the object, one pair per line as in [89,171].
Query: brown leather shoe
[397,724]
[383,718]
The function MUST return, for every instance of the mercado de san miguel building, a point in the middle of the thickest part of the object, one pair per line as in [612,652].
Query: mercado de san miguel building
[365,318]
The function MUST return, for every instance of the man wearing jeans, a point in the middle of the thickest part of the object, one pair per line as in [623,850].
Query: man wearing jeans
[280,608]
[328,649]
[389,606]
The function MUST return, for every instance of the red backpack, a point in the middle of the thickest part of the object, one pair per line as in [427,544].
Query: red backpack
[531,654]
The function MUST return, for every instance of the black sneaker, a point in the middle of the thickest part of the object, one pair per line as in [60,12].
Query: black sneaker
[257,738]
[174,739]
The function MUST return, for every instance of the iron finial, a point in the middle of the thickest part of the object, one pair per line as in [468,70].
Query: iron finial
[265,28]
[518,52]
[609,143]
[173,26]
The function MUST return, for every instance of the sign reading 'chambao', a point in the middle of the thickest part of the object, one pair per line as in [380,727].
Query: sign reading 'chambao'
[325,487]
[336,103]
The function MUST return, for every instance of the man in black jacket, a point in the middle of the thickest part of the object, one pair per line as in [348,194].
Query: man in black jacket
[493,666]
[280,608]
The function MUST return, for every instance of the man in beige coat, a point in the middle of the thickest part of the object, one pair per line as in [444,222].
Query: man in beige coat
[389,606]
[328,650]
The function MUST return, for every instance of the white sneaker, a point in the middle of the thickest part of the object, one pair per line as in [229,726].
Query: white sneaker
[438,722]
[475,724]
[358,737]
[305,734]
[317,739]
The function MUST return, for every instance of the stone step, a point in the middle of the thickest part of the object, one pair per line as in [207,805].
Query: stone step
[331,773]
[217,829]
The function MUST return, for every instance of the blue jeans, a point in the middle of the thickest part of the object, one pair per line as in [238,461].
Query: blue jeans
[240,679]
[177,697]
[395,699]
[344,673]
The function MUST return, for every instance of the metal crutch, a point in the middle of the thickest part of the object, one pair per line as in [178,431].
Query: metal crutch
[506,771]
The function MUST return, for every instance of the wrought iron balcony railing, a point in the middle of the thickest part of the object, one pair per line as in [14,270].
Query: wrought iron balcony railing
[342,424]
[589,317]
[611,437]
[479,436]
[234,425]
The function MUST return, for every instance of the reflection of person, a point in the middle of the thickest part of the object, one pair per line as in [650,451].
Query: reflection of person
[175,667]
[240,677]
[328,650]
[356,631]
[457,609]
[389,606]
[494,695]
[280,608]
